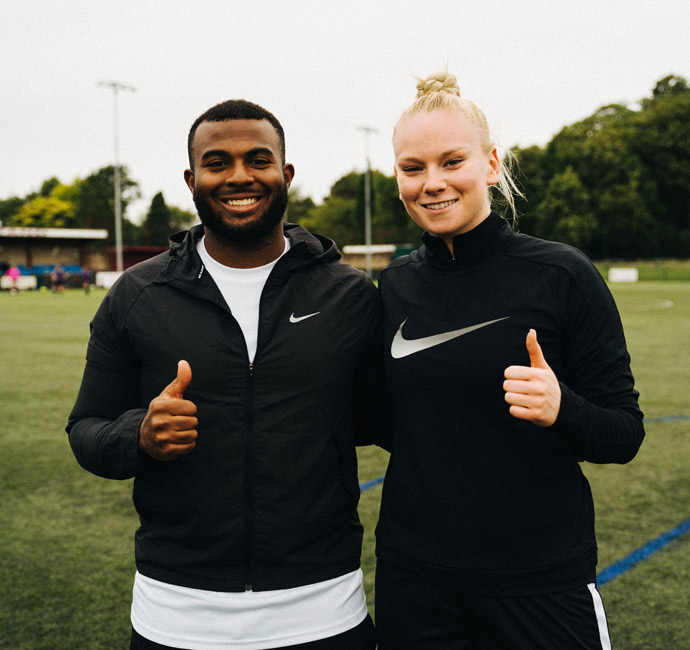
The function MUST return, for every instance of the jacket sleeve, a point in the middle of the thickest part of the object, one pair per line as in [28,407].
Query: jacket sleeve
[599,416]
[103,427]
[373,402]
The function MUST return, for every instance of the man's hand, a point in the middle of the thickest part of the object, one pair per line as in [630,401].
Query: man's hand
[169,428]
[533,393]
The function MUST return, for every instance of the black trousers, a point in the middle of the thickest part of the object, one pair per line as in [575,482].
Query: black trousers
[362,637]
[414,613]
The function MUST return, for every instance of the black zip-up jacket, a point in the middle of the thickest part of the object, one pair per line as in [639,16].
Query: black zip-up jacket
[268,497]
[472,494]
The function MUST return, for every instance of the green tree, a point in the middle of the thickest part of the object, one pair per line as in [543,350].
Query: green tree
[156,224]
[49,185]
[299,206]
[95,201]
[52,207]
[661,140]
[390,222]
[530,176]
[564,213]
[670,86]
[181,219]
[8,208]
[44,212]
[341,215]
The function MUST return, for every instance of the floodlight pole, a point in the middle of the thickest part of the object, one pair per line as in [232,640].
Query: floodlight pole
[116,88]
[367,200]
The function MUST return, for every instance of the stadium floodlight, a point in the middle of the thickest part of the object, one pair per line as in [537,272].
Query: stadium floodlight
[368,130]
[116,88]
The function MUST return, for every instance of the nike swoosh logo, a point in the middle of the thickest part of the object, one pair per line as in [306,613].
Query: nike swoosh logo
[297,319]
[402,347]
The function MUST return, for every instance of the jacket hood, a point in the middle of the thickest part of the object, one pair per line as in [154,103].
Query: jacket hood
[305,249]
[306,244]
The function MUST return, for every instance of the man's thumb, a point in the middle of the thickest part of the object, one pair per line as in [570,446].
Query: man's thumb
[176,388]
[536,356]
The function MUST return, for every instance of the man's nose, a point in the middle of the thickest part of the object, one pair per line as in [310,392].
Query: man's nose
[239,175]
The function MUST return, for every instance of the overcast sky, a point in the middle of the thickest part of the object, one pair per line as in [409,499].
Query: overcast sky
[325,68]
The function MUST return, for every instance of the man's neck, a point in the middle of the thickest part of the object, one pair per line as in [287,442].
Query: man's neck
[245,255]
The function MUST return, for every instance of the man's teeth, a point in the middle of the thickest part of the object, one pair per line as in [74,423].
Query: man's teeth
[440,206]
[240,201]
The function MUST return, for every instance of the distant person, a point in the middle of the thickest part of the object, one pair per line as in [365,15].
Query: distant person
[231,377]
[87,280]
[507,362]
[14,274]
[57,279]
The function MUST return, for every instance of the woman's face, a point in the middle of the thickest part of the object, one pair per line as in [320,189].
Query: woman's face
[443,172]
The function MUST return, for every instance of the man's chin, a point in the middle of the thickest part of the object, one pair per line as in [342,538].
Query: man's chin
[250,232]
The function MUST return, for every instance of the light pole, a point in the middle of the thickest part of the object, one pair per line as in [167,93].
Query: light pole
[367,200]
[116,88]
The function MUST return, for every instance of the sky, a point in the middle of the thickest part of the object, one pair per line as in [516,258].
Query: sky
[324,68]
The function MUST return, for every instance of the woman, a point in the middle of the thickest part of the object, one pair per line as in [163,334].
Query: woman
[486,533]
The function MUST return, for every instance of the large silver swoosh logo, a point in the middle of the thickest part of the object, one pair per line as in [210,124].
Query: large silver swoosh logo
[402,347]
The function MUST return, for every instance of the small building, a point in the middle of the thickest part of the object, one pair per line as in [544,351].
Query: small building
[381,254]
[29,248]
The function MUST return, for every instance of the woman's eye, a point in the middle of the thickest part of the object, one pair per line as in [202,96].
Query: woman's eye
[454,161]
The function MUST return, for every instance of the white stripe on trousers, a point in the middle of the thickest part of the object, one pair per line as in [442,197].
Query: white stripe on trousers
[601,617]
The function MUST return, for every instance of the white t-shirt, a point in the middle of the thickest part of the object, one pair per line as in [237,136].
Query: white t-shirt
[241,289]
[197,619]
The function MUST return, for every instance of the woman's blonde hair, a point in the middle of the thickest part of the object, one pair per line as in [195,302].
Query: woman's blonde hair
[440,91]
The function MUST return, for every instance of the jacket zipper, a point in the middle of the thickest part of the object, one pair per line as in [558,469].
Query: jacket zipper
[249,481]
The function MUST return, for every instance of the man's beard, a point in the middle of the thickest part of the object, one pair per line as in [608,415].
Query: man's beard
[253,231]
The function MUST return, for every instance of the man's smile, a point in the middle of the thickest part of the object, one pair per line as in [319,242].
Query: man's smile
[233,202]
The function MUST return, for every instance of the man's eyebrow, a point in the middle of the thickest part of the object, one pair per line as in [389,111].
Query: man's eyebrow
[252,152]
[213,152]
[260,150]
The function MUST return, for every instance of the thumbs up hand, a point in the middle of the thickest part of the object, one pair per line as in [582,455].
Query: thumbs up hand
[169,427]
[533,393]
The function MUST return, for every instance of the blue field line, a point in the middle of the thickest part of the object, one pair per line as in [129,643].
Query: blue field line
[617,568]
[669,418]
[642,553]
[369,484]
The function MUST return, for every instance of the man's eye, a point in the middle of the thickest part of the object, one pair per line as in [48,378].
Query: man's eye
[261,162]
[408,169]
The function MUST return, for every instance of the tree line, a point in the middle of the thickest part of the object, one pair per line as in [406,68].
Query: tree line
[89,203]
[615,185]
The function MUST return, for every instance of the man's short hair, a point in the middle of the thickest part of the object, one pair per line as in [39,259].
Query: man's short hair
[236,109]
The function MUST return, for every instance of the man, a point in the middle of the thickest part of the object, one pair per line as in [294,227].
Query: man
[231,377]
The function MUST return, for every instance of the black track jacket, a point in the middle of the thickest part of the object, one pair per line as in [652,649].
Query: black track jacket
[473,495]
[268,497]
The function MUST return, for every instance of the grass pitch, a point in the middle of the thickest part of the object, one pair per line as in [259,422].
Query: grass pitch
[67,536]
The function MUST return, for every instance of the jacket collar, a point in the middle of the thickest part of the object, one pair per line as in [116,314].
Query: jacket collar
[186,266]
[470,248]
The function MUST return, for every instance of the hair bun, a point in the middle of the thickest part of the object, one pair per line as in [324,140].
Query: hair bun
[438,82]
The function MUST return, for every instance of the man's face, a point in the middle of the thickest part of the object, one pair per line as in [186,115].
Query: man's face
[239,182]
